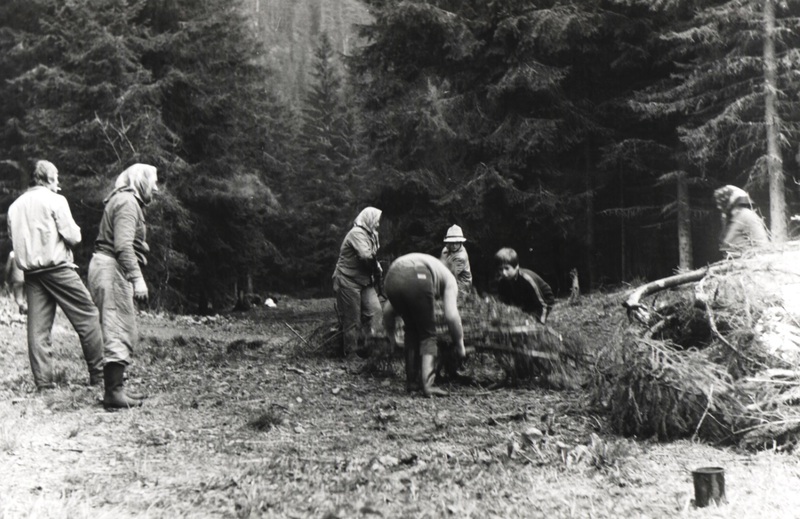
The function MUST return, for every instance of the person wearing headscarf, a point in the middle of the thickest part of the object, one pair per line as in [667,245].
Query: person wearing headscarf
[354,279]
[115,276]
[742,228]
[43,235]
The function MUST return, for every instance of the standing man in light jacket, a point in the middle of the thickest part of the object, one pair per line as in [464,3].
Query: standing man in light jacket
[43,233]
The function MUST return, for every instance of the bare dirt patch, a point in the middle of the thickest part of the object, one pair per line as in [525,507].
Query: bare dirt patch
[243,422]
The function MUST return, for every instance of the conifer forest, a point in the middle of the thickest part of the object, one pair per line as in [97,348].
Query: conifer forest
[586,134]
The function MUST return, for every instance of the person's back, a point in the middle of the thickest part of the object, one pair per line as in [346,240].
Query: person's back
[43,232]
[42,229]
[413,282]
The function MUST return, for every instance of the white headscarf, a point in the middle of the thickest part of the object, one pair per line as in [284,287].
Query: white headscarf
[368,219]
[139,178]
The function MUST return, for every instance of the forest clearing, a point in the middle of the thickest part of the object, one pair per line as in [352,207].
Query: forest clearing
[247,419]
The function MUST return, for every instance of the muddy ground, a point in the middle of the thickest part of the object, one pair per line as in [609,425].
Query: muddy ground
[246,418]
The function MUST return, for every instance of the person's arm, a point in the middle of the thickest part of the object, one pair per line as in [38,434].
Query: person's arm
[124,222]
[452,317]
[9,266]
[362,244]
[67,228]
[548,298]
[541,291]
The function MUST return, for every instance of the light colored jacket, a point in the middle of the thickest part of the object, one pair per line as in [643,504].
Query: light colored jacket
[744,229]
[42,230]
[458,263]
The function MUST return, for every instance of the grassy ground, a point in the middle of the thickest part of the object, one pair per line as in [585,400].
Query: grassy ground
[243,421]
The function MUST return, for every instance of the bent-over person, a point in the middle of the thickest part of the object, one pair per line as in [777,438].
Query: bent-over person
[413,282]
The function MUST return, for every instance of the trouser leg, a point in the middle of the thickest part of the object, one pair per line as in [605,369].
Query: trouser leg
[113,295]
[66,287]
[413,379]
[41,313]
[348,306]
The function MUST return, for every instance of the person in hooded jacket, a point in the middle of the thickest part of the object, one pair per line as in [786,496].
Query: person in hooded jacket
[354,279]
[115,276]
[742,228]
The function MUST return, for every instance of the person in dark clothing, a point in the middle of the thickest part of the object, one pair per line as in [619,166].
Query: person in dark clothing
[521,287]
[116,279]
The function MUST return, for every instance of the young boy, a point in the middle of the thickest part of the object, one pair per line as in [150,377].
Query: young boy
[522,287]
[454,255]
[412,284]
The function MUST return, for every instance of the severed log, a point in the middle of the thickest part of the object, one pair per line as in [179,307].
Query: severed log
[633,302]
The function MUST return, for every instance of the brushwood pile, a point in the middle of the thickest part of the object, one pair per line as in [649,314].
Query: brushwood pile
[715,358]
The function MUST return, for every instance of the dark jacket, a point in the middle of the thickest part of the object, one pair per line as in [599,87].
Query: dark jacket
[123,233]
[527,291]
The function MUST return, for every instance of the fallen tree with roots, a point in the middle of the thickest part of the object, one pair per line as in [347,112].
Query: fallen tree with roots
[711,354]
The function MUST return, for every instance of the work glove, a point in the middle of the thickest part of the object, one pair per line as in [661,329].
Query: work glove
[139,290]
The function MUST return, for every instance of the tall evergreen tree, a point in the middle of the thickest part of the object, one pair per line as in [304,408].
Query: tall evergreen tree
[231,132]
[735,92]
[506,106]
[321,194]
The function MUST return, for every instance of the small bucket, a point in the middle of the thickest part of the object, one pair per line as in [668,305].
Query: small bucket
[709,485]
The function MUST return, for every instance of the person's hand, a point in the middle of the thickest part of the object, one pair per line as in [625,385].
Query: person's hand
[461,351]
[139,290]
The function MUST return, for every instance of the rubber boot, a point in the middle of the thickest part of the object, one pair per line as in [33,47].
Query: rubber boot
[131,394]
[428,376]
[115,397]
[96,377]
[413,377]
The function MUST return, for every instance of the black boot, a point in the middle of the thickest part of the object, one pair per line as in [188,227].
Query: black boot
[413,369]
[96,377]
[115,397]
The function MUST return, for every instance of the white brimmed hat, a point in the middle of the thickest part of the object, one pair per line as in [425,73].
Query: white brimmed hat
[454,235]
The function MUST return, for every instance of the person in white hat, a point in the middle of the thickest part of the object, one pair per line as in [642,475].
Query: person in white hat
[455,256]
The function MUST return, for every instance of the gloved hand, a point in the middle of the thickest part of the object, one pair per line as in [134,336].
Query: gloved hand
[140,290]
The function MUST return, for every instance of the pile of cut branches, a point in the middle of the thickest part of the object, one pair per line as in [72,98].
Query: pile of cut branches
[712,355]
[524,348]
